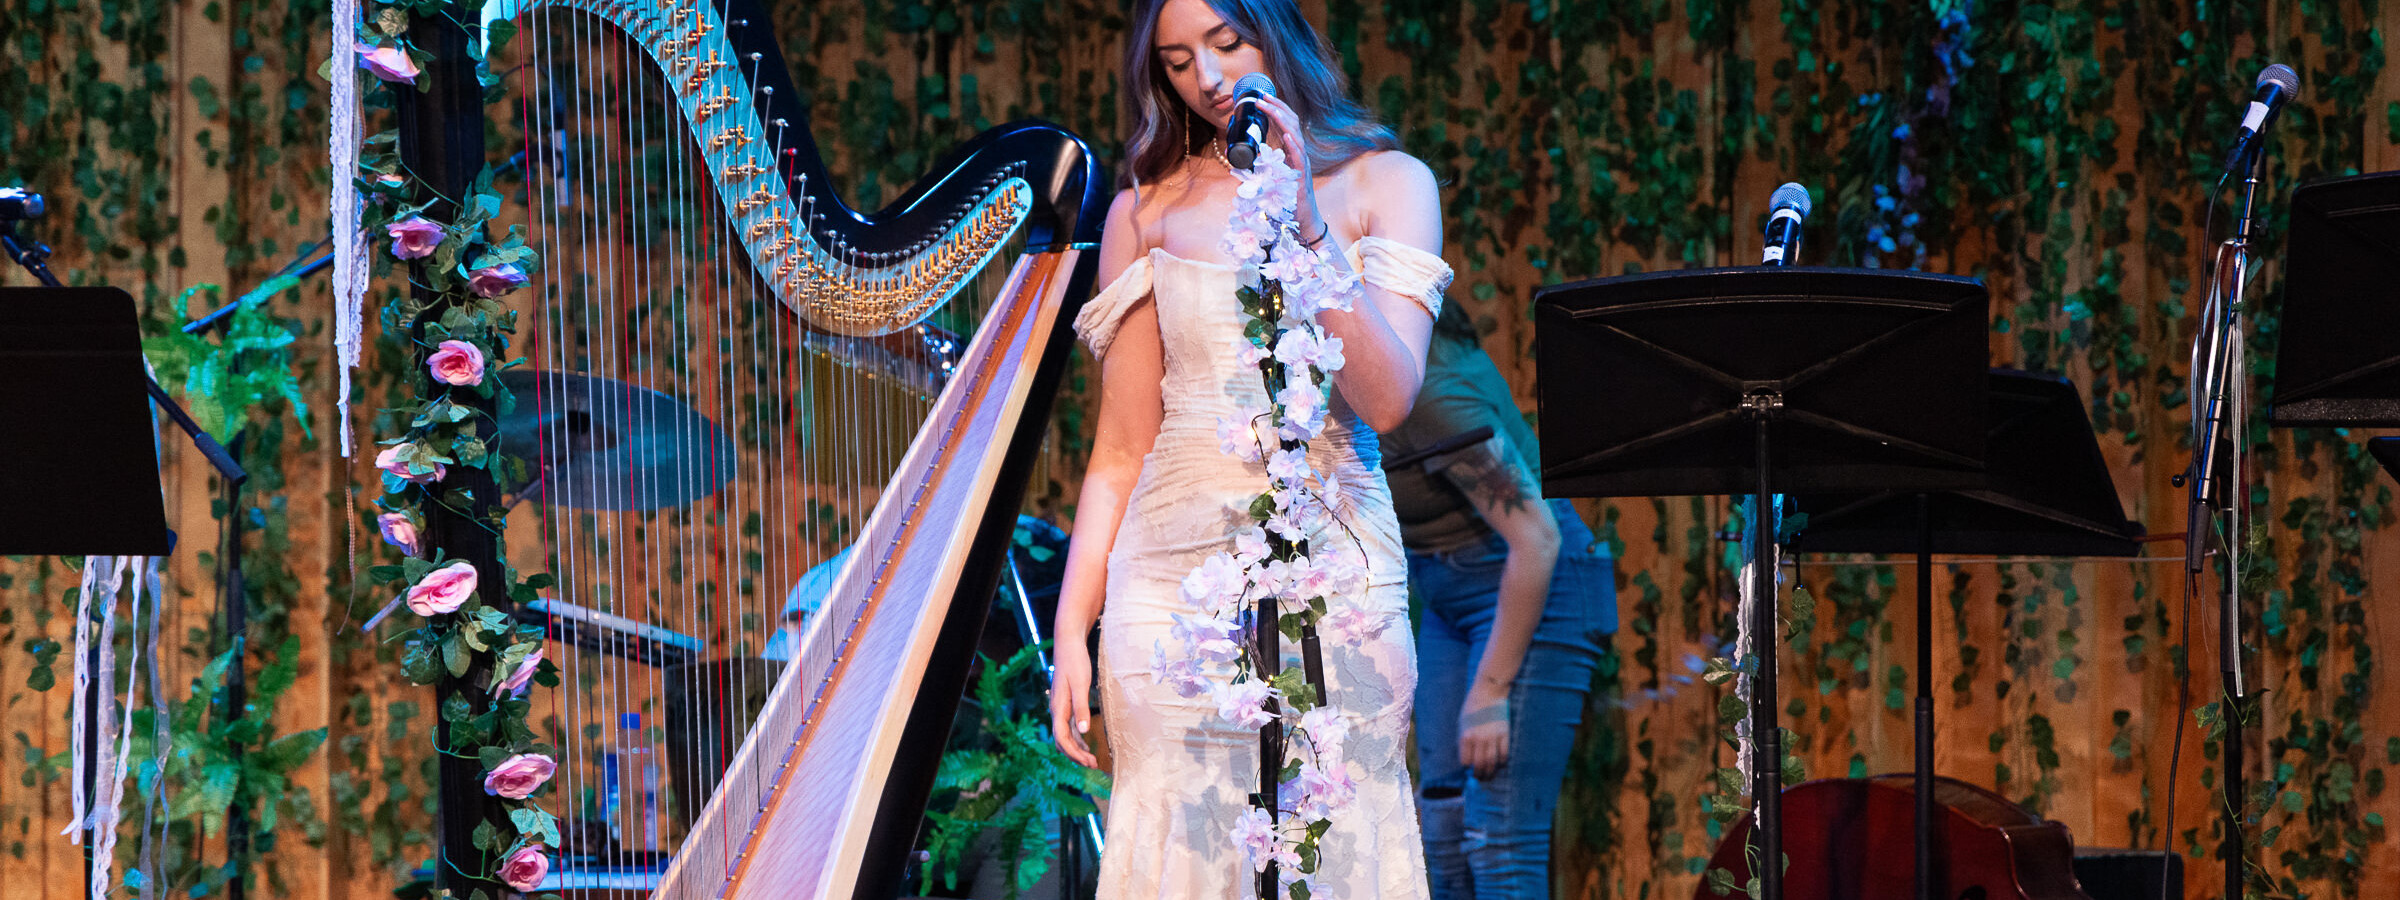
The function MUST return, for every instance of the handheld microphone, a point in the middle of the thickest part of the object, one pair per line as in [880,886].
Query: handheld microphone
[1786,209]
[2277,86]
[1249,125]
[18,204]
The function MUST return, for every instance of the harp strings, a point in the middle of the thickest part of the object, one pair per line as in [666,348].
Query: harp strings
[655,339]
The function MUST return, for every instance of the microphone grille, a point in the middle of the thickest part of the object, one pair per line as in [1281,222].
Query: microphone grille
[1792,195]
[2283,77]
[1258,81]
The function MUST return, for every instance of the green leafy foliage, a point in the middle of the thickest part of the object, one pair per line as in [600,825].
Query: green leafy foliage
[1004,785]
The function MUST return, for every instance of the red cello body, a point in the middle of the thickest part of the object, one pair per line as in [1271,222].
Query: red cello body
[1855,839]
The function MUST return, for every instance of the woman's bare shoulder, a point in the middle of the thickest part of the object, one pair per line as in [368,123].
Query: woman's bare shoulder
[1391,170]
[1395,196]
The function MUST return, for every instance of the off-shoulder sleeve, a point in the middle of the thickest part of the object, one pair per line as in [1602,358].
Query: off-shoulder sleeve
[1097,323]
[1404,270]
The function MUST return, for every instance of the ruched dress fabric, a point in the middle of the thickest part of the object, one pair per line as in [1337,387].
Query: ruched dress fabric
[1183,774]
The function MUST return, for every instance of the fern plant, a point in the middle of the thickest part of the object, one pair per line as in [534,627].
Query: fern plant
[1004,778]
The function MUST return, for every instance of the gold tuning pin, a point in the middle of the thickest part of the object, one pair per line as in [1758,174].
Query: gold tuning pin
[743,170]
[701,72]
[767,224]
[760,197]
[712,105]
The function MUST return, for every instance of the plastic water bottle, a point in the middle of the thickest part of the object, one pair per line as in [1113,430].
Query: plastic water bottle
[648,761]
[630,759]
[612,794]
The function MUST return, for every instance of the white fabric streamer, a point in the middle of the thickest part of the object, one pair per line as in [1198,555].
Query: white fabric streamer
[103,757]
[161,739]
[92,573]
[102,577]
[110,794]
[1762,527]
[349,241]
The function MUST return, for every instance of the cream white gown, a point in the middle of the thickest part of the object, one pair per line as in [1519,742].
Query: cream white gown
[1183,774]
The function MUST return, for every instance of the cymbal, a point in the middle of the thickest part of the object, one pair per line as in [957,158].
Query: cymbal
[595,443]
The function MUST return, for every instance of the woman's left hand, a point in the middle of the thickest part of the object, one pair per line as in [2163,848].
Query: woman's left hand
[1294,143]
[1483,731]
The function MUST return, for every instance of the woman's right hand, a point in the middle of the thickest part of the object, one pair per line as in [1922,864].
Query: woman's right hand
[1070,698]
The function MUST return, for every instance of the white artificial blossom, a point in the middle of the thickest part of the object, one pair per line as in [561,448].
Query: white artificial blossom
[1284,285]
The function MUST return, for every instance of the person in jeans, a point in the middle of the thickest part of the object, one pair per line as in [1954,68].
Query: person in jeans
[1514,598]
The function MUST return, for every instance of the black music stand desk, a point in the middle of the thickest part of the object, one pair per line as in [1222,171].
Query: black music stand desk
[2049,494]
[1760,381]
[78,454]
[2337,361]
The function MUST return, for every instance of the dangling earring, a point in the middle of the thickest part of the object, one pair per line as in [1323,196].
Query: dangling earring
[1191,130]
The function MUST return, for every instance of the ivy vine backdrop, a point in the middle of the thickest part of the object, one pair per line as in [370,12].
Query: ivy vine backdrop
[2058,150]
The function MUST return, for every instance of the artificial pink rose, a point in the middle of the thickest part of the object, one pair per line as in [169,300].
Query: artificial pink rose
[442,590]
[400,530]
[456,362]
[525,869]
[517,777]
[492,281]
[517,680]
[391,64]
[414,237]
[389,461]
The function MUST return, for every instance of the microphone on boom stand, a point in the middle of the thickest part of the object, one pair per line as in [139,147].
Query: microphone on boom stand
[1249,125]
[2276,86]
[17,204]
[2220,404]
[1786,209]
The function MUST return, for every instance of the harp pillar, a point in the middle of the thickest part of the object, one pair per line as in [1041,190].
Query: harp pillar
[441,143]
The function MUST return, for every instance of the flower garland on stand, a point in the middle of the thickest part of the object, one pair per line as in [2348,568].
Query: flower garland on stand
[457,324]
[1273,565]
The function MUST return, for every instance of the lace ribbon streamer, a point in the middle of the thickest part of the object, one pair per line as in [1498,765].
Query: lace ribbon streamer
[349,241]
[96,706]
[1762,527]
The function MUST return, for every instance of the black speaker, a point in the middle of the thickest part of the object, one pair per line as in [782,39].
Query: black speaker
[2108,873]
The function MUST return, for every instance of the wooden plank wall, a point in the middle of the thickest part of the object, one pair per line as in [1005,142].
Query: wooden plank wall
[366,788]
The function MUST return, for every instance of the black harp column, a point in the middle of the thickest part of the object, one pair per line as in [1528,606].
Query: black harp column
[441,144]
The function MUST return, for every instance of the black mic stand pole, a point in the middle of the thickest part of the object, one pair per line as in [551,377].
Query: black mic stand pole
[35,257]
[2216,495]
[236,603]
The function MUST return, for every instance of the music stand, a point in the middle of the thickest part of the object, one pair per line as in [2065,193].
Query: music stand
[1761,381]
[78,460]
[2338,358]
[2048,494]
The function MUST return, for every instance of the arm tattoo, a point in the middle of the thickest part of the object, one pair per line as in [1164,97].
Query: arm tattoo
[1488,472]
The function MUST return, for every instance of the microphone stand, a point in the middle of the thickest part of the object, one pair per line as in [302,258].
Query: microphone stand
[2216,478]
[232,582]
[35,257]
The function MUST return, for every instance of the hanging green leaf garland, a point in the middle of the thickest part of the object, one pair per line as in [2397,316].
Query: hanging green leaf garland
[462,331]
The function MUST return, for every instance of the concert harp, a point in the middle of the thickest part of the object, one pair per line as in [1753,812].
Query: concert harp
[744,391]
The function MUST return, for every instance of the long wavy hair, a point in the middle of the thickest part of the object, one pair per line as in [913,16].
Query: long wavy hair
[1300,61]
